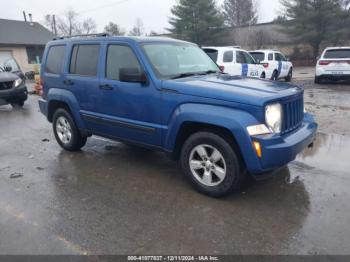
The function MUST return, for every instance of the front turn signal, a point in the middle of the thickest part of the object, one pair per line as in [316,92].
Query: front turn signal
[257,148]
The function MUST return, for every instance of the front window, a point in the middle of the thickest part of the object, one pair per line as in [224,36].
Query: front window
[172,60]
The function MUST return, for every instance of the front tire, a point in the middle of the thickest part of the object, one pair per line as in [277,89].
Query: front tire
[290,75]
[66,132]
[274,76]
[211,164]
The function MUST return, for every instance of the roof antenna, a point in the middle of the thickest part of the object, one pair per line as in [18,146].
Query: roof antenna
[25,16]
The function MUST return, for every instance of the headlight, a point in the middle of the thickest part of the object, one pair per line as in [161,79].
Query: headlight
[17,82]
[273,117]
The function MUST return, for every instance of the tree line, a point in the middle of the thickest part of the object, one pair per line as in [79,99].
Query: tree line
[204,22]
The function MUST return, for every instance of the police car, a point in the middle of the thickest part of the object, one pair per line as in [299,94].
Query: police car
[235,61]
[275,63]
[334,64]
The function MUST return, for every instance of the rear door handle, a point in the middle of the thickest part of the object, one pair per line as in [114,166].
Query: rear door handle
[68,82]
[106,87]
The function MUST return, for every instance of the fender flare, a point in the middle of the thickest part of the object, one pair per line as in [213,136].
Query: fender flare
[67,97]
[234,120]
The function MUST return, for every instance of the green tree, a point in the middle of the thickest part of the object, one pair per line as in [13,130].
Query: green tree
[114,29]
[197,21]
[316,21]
[239,12]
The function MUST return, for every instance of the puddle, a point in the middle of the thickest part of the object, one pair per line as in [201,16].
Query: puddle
[330,153]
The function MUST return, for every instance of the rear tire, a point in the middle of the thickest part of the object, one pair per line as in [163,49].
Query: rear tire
[290,75]
[66,132]
[213,174]
[17,104]
[317,80]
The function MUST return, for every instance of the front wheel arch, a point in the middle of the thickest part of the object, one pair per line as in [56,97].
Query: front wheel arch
[189,128]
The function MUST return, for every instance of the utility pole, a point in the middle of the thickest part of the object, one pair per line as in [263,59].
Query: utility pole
[25,16]
[54,24]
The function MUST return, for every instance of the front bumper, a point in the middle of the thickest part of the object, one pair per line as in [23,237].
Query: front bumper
[14,95]
[278,151]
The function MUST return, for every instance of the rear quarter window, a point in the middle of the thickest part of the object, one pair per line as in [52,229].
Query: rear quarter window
[337,53]
[55,58]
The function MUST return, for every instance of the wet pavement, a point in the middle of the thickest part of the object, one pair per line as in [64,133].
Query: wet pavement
[116,199]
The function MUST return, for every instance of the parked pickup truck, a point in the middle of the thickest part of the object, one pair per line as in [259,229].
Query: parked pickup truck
[169,95]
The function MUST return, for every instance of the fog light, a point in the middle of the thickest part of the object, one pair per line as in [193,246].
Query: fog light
[257,148]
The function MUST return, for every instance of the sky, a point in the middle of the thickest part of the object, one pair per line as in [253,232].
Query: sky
[153,13]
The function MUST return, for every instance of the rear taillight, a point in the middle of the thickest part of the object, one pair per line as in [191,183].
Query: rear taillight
[323,62]
[222,68]
[266,65]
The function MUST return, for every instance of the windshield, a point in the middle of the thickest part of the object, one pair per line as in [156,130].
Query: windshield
[258,56]
[173,60]
[337,53]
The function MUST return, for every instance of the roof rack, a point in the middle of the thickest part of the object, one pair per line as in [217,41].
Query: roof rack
[84,35]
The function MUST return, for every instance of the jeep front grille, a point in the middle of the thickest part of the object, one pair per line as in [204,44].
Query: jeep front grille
[293,114]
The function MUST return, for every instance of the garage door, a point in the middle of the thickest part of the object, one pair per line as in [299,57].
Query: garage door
[5,55]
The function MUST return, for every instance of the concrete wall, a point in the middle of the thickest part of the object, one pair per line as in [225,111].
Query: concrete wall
[20,54]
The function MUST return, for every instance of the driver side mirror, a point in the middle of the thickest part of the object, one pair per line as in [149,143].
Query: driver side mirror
[8,68]
[132,75]
[257,61]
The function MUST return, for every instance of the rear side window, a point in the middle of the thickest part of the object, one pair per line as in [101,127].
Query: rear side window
[258,56]
[270,57]
[212,53]
[84,60]
[118,57]
[337,53]
[54,61]
[228,57]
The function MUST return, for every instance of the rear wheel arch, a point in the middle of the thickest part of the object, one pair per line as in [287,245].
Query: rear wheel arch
[189,128]
[54,105]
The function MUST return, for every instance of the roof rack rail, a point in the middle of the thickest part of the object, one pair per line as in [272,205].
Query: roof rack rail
[83,35]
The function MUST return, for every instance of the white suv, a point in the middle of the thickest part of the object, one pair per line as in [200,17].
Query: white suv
[275,63]
[334,64]
[235,61]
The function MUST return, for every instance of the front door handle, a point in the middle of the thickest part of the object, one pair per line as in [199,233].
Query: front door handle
[106,87]
[68,82]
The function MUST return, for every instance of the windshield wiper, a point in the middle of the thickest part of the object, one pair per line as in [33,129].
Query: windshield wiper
[183,75]
[209,72]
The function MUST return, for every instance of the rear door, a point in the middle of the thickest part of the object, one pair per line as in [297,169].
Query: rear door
[81,76]
[229,64]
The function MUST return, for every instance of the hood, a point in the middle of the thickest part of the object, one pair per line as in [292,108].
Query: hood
[7,77]
[250,91]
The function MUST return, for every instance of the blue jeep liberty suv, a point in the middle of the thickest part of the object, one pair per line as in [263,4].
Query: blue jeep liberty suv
[169,95]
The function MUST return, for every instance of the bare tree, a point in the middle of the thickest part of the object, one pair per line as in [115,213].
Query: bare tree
[70,24]
[138,29]
[114,29]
